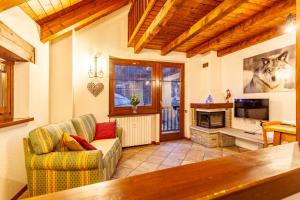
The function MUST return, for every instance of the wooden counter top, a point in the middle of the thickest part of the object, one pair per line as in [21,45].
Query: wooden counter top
[271,173]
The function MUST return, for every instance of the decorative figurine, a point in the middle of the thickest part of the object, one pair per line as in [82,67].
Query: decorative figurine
[228,95]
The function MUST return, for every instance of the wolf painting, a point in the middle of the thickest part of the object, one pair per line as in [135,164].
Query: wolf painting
[270,72]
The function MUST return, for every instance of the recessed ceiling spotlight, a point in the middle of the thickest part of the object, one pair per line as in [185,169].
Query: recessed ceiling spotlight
[291,23]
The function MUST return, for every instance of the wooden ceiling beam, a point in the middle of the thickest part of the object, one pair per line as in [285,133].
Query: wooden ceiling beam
[77,17]
[6,4]
[13,47]
[281,9]
[162,18]
[221,11]
[261,37]
[141,21]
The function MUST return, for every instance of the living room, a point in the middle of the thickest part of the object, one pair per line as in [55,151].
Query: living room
[79,69]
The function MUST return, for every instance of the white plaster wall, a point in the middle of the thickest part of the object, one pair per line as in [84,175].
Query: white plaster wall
[282,104]
[61,79]
[31,90]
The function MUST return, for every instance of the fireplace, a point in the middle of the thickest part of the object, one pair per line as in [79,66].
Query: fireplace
[211,119]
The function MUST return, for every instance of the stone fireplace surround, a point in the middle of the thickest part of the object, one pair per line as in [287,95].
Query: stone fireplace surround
[207,136]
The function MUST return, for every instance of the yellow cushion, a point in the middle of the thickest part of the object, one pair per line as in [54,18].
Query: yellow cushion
[104,145]
[71,143]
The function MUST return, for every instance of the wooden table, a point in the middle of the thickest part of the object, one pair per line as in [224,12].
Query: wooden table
[265,174]
[282,131]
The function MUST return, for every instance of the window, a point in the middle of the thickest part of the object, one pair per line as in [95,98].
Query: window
[6,90]
[132,78]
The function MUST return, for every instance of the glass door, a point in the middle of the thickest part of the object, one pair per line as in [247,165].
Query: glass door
[171,101]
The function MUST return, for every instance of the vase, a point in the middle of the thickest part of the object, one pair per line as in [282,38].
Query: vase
[134,109]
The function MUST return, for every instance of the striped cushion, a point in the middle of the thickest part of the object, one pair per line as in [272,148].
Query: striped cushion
[85,126]
[46,139]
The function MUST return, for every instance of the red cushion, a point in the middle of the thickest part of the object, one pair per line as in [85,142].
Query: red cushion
[83,142]
[106,130]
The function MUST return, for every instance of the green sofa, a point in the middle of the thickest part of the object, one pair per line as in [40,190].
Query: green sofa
[51,170]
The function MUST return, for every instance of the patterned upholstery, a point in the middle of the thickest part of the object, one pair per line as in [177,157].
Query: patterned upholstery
[45,139]
[112,150]
[85,126]
[56,171]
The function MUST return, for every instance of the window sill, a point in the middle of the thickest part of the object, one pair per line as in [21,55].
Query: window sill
[15,121]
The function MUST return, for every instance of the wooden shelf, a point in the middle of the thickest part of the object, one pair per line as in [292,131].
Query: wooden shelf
[15,121]
[211,105]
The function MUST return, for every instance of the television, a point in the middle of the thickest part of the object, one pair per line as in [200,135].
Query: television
[252,108]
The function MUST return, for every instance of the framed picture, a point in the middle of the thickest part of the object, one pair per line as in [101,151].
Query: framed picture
[273,71]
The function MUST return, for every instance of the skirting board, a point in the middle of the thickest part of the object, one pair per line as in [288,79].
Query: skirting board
[20,193]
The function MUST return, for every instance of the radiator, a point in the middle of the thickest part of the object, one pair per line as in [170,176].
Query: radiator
[136,130]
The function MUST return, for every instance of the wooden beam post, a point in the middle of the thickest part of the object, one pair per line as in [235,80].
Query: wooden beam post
[77,16]
[162,18]
[260,37]
[298,71]
[281,9]
[225,8]
[6,4]
[13,47]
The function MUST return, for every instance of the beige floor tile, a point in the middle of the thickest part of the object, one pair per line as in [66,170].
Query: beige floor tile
[185,162]
[122,172]
[136,172]
[194,155]
[140,157]
[164,167]
[131,164]
[147,167]
[172,162]
[180,155]
[155,159]
[161,153]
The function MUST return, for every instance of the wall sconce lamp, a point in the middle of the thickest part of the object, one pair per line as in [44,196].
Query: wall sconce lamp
[93,72]
[291,23]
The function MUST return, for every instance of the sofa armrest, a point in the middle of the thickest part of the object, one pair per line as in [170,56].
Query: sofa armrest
[72,160]
[119,133]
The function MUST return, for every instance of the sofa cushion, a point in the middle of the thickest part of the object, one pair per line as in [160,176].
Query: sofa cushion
[71,143]
[106,130]
[46,139]
[104,145]
[85,144]
[85,126]
[111,149]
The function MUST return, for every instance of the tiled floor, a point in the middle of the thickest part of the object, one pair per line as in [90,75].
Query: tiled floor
[148,158]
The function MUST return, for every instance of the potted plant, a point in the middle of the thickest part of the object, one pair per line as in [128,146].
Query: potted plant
[134,102]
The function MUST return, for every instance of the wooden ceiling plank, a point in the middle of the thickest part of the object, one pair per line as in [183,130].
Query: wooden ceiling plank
[225,8]
[141,21]
[16,49]
[74,18]
[261,37]
[56,5]
[47,6]
[37,7]
[6,4]
[164,15]
[283,8]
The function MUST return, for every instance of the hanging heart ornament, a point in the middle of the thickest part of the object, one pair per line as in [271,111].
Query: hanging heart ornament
[95,89]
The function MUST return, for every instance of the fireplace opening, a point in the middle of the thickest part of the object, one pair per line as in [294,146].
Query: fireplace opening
[211,119]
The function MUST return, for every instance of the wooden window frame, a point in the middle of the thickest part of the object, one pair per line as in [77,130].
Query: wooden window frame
[9,114]
[121,111]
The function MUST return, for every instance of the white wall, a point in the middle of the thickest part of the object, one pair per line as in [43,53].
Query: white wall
[61,79]
[282,104]
[31,99]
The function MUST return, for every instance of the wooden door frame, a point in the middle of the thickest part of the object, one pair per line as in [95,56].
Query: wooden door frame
[182,101]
